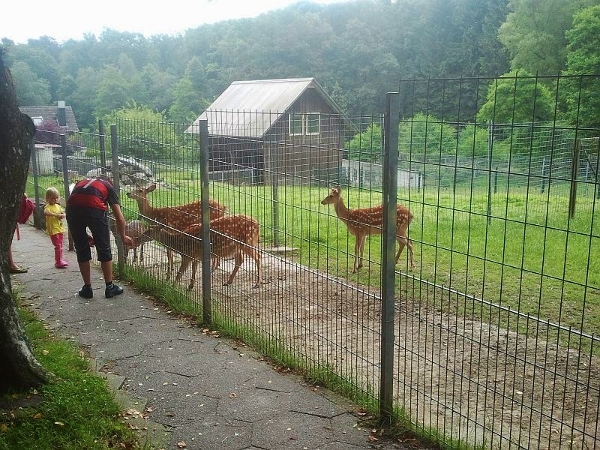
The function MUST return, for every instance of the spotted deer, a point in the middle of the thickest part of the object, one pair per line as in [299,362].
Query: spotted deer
[230,236]
[363,222]
[177,217]
[135,229]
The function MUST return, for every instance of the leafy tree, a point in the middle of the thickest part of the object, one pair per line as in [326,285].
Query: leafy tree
[534,34]
[42,58]
[583,59]
[113,91]
[427,137]
[83,98]
[48,132]
[473,141]
[30,89]
[188,104]
[517,97]
[368,145]
[144,132]
[156,88]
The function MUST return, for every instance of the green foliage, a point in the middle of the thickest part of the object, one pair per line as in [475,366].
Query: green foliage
[357,51]
[583,102]
[534,34]
[426,137]
[78,409]
[31,90]
[517,97]
[473,141]
[144,132]
[367,146]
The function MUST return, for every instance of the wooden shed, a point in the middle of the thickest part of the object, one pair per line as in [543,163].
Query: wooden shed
[286,130]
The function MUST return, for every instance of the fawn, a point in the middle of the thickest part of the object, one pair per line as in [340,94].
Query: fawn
[230,236]
[135,229]
[178,217]
[363,222]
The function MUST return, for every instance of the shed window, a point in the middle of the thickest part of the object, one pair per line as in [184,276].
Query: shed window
[305,123]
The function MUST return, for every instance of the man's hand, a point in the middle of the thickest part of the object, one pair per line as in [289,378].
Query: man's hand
[128,241]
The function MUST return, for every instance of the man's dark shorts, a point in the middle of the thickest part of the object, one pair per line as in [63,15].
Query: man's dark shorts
[79,219]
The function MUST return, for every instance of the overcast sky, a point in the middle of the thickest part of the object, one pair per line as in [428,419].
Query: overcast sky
[62,20]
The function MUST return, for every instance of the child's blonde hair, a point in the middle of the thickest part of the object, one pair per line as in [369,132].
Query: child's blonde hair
[52,192]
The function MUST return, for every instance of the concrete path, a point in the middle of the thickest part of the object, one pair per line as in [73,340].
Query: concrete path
[180,385]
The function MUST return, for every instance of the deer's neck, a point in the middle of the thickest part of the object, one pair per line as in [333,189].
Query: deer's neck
[144,207]
[341,210]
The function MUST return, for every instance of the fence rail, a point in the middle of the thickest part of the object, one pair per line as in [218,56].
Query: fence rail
[496,339]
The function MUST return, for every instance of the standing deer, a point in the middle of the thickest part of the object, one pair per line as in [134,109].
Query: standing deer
[230,236]
[363,222]
[177,217]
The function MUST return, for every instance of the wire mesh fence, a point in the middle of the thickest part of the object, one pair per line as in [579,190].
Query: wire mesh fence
[496,329]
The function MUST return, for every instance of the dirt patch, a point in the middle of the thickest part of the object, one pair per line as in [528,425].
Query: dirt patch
[470,380]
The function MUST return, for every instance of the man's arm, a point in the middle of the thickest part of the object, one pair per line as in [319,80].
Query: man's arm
[120,221]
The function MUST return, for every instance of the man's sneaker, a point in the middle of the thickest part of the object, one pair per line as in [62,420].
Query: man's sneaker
[86,292]
[112,290]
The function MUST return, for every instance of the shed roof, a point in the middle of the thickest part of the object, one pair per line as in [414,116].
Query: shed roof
[51,113]
[250,108]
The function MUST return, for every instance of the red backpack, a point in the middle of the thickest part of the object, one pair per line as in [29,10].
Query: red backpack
[25,209]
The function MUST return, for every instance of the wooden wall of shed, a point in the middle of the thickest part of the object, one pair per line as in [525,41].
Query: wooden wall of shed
[294,159]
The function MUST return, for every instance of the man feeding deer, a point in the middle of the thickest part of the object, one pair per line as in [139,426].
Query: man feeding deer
[87,208]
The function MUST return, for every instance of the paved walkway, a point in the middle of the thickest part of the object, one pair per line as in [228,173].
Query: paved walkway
[189,389]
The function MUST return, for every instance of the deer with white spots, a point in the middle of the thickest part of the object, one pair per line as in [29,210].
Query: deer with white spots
[135,229]
[363,222]
[230,236]
[177,217]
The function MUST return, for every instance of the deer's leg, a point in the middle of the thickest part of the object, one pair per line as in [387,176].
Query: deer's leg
[194,271]
[170,259]
[141,252]
[255,255]
[239,259]
[185,262]
[359,247]
[402,242]
[215,261]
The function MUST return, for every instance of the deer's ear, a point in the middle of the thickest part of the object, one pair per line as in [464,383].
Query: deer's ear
[152,187]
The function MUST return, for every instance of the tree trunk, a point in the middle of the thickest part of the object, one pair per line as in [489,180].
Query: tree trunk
[19,370]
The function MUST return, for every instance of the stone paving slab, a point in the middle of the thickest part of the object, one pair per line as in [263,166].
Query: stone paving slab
[183,388]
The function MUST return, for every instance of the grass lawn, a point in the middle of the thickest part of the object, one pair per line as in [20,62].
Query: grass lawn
[520,251]
[75,410]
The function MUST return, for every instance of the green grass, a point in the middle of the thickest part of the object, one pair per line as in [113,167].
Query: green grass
[77,409]
[530,255]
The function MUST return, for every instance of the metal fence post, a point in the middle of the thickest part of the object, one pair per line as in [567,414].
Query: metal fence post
[204,186]
[388,250]
[101,142]
[574,173]
[38,214]
[65,171]
[116,179]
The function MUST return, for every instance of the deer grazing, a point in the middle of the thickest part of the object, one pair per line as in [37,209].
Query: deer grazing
[363,222]
[230,236]
[176,217]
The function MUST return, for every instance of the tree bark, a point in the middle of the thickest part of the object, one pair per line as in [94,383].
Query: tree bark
[19,370]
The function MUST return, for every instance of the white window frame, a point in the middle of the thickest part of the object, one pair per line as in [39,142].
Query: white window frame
[302,124]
